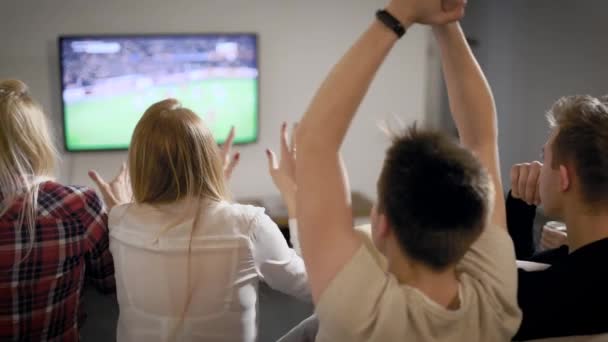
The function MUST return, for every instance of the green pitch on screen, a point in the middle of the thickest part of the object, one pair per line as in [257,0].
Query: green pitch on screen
[107,122]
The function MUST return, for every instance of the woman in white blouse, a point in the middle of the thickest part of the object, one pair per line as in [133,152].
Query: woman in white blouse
[188,261]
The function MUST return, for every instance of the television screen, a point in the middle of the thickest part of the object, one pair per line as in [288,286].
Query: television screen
[109,81]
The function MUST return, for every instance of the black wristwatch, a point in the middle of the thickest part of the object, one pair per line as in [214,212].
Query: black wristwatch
[391,22]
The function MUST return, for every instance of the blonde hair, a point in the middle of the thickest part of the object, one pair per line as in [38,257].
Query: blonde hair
[27,153]
[173,156]
[581,141]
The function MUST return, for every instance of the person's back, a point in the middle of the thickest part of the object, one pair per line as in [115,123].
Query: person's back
[188,262]
[439,219]
[484,308]
[50,234]
[214,277]
[572,185]
[41,287]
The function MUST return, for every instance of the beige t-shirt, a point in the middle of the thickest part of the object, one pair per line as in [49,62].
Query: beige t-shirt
[365,303]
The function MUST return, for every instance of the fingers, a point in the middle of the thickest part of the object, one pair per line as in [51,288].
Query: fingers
[515,180]
[122,173]
[525,182]
[97,179]
[231,165]
[230,138]
[452,10]
[532,184]
[127,177]
[545,244]
[227,146]
[104,188]
[552,238]
[522,181]
[284,146]
[292,144]
[538,167]
[272,160]
[452,15]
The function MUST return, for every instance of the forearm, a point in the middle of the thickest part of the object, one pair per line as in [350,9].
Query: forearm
[323,197]
[289,199]
[472,107]
[325,123]
[470,97]
[520,223]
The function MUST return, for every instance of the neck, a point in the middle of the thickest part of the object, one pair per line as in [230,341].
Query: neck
[585,226]
[439,286]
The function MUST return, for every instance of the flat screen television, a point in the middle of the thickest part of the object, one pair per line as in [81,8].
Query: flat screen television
[109,81]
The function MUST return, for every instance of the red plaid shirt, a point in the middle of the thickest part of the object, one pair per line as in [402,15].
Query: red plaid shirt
[40,296]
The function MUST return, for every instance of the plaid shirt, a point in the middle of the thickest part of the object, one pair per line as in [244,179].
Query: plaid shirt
[40,296]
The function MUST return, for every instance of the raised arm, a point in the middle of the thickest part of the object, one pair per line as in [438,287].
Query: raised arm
[323,197]
[472,106]
[323,200]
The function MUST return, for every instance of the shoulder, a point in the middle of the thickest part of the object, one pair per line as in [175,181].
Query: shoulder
[116,213]
[55,197]
[243,213]
[68,192]
[361,274]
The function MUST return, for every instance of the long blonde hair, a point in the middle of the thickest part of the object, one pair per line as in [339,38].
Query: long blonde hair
[27,153]
[173,156]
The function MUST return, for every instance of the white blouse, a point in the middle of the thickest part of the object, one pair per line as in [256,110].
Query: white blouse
[210,294]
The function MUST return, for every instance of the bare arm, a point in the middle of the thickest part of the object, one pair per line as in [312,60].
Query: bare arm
[472,106]
[491,258]
[323,198]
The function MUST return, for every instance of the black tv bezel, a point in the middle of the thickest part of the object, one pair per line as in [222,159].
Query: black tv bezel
[63,37]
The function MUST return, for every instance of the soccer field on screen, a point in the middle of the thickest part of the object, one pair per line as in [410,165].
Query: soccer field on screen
[107,122]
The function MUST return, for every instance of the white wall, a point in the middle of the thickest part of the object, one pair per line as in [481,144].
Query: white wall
[533,52]
[299,42]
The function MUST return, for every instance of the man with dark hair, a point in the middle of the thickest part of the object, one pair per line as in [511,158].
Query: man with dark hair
[425,172]
[440,223]
[572,185]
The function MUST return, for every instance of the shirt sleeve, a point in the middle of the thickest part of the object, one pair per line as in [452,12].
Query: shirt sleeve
[294,236]
[491,260]
[278,265]
[379,298]
[99,262]
[520,223]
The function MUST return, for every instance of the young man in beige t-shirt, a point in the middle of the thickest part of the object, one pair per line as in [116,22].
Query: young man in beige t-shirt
[440,219]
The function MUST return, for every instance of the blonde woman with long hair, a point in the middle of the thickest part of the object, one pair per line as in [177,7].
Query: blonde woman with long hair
[49,233]
[188,261]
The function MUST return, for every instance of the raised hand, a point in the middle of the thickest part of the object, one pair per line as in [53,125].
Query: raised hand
[229,161]
[524,182]
[283,172]
[431,12]
[118,191]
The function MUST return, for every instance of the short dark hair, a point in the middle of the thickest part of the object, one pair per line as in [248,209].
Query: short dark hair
[436,196]
[582,141]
